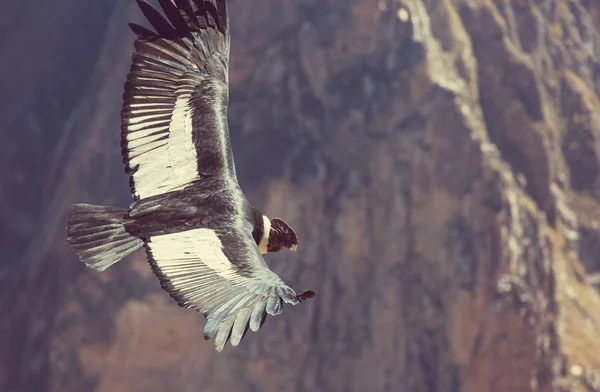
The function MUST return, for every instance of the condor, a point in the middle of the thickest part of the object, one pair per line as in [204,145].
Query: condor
[203,238]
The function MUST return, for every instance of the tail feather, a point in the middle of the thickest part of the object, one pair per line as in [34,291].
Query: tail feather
[98,236]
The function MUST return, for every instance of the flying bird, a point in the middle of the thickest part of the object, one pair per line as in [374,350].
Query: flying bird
[203,239]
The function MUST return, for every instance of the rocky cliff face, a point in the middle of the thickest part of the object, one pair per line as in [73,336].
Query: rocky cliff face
[439,159]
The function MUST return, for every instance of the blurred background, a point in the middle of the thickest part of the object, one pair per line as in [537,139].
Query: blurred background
[438,158]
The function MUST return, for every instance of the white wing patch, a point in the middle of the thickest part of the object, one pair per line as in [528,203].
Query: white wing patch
[196,253]
[167,160]
[194,270]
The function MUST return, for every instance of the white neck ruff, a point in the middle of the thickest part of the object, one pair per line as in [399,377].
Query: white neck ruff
[262,245]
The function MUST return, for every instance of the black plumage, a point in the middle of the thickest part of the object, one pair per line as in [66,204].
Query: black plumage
[203,239]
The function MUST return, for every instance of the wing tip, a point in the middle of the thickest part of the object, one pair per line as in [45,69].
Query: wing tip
[163,28]
[141,32]
[307,294]
[182,17]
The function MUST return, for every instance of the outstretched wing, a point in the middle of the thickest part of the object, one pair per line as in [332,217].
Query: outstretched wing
[174,117]
[222,275]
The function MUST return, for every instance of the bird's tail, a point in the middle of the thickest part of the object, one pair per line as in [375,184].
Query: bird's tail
[98,235]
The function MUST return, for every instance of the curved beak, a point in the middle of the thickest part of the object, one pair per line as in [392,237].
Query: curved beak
[294,248]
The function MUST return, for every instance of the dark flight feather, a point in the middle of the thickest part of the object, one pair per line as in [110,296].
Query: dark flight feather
[212,17]
[141,31]
[174,16]
[200,13]
[187,13]
[162,27]
[222,16]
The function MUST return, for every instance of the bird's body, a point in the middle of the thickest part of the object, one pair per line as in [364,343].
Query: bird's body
[203,239]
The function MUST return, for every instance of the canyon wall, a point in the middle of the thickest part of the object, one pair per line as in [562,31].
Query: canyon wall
[439,159]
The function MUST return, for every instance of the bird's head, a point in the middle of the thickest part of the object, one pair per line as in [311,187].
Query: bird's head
[281,236]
